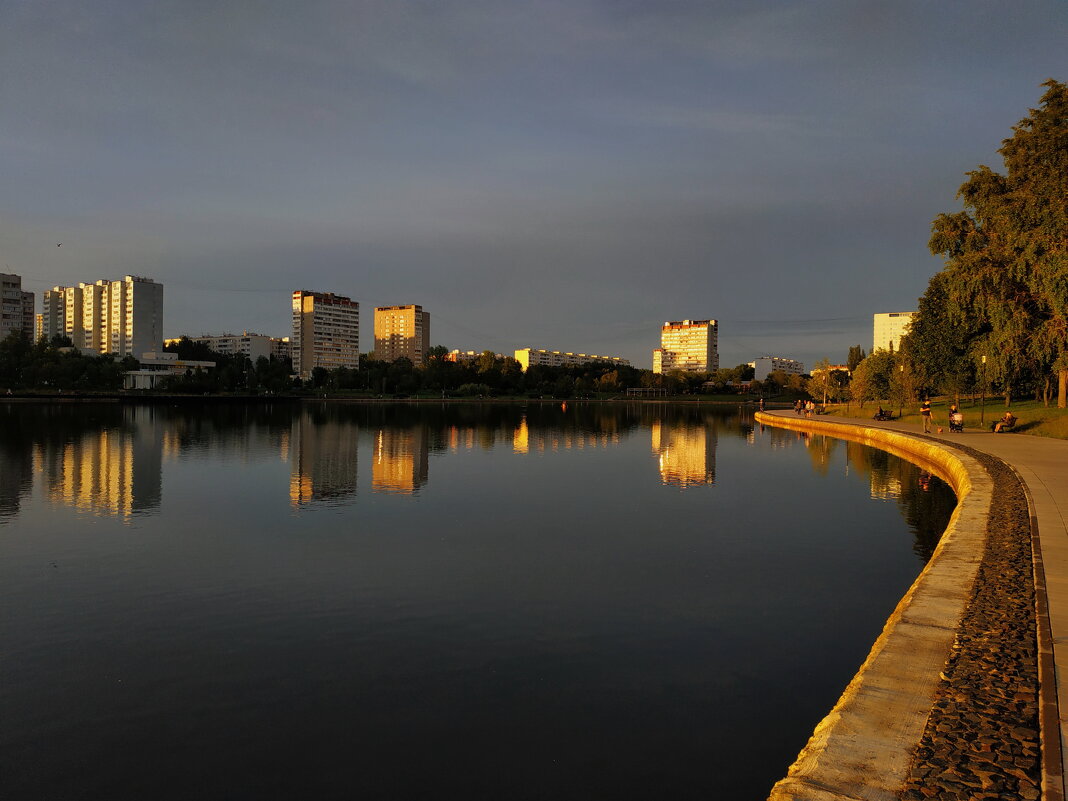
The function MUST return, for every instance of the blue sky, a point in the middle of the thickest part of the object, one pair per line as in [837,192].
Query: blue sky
[565,175]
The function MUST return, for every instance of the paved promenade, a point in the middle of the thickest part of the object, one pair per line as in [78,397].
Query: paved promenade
[1042,464]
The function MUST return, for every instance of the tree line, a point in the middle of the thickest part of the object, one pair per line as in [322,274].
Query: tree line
[995,318]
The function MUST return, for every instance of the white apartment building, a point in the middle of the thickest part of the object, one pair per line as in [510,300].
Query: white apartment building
[16,307]
[402,331]
[766,365]
[554,358]
[888,329]
[252,346]
[688,345]
[123,317]
[326,332]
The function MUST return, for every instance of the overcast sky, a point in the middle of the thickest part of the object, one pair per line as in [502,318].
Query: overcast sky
[566,174]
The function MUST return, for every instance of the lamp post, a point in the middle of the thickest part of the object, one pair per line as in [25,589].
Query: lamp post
[900,389]
[982,409]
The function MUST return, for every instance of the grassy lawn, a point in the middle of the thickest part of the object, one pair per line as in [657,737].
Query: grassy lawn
[1034,418]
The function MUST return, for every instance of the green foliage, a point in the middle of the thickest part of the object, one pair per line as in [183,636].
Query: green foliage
[855,357]
[54,366]
[1006,254]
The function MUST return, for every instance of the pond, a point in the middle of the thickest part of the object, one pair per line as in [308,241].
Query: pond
[480,601]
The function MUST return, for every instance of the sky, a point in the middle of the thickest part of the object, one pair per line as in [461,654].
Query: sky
[564,174]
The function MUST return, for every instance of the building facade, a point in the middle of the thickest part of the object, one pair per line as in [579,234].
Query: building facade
[326,332]
[16,307]
[402,331]
[249,345]
[888,328]
[688,345]
[554,358]
[123,317]
[766,365]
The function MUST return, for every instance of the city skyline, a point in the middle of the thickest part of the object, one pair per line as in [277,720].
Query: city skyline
[614,166]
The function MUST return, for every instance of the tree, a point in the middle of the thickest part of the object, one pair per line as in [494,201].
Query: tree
[1006,254]
[937,344]
[855,357]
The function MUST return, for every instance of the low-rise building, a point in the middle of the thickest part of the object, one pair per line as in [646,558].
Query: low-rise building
[554,358]
[157,366]
[766,365]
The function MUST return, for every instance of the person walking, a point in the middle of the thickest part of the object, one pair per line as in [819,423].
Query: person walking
[925,414]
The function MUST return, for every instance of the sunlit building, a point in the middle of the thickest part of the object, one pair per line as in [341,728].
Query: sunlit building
[554,358]
[766,365]
[686,454]
[688,345]
[402,332]
[326,332]
[123,317]
[16,307]
[400,461]
[889,328]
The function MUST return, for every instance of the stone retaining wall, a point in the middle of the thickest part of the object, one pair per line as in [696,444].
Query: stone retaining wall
[863,748]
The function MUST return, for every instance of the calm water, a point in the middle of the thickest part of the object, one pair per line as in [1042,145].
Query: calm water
[408,602]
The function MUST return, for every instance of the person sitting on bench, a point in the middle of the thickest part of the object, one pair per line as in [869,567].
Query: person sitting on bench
[1006,423]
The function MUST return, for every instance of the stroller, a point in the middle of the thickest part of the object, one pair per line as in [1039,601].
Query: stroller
[956,421]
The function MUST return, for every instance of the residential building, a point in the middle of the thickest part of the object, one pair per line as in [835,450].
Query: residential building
[888,329]
[326,332]
[402,332]
[16,307]
[123,317]
[688,345]
[766,365]
[252,346]
[280,348]
[554,358]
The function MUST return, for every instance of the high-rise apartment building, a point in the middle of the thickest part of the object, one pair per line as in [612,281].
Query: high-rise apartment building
[766,365]
[123,317]
[16,307]
[689,345]
[402,331]
[888,328]
[326,332]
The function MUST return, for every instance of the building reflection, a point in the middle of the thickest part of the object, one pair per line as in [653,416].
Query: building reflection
[686,453]
[115,470]
[322,458]
[16,478]
[526,438]
[400,462]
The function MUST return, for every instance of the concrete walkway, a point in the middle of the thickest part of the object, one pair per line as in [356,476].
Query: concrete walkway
[1042,464]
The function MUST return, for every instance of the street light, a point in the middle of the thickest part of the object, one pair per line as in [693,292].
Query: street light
[982,409]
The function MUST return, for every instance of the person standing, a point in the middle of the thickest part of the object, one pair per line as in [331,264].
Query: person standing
[925,414]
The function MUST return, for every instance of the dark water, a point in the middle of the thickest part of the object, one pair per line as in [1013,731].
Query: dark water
[479,602]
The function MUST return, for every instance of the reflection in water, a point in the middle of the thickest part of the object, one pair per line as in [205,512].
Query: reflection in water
[400,463]
[322,458]
[115,470]
[552,571]
[108,459]
[686,453]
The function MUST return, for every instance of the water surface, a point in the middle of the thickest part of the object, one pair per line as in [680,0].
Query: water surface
[398,602]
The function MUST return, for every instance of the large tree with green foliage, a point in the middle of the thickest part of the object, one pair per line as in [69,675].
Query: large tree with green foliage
[1006,254]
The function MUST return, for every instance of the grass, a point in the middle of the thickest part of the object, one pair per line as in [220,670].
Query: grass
[1033,418]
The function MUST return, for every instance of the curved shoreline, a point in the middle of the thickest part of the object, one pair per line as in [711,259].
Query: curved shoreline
[864,746]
